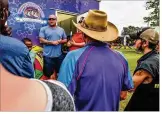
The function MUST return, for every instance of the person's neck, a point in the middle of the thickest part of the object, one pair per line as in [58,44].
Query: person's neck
[53,26]
[89,40]
[147,50]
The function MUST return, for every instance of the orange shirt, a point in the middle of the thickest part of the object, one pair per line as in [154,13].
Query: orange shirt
[78,38]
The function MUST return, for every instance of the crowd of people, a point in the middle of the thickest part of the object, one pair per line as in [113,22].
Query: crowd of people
[90,77]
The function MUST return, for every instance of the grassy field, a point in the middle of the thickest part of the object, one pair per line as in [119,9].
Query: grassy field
[132,58]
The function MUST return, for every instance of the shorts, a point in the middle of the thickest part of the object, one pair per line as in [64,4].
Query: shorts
[52,64]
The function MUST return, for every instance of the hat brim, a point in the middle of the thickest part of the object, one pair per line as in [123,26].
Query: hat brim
[110,34]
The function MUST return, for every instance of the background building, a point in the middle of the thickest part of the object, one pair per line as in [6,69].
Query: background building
[28,16]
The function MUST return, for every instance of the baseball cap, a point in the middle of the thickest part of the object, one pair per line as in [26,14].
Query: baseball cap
[150,35]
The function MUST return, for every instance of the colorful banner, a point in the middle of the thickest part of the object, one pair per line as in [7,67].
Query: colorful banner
[28,16]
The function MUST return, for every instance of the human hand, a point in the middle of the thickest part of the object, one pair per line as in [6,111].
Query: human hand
[54,42]
[59,41]
[123,95]
[72,42]
[69,44]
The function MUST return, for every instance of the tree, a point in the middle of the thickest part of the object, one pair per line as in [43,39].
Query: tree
[153,18]
[130,30]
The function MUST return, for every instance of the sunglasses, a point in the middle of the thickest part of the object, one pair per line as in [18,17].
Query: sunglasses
[52,19]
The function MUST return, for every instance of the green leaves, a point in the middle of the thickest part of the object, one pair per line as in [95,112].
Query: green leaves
[153,18]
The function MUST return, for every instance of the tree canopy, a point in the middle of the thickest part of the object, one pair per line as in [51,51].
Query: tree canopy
[153,18]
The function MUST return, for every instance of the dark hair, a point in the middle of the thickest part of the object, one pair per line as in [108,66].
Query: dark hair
[3,4]
[26,39]
[150,45]
[81,20]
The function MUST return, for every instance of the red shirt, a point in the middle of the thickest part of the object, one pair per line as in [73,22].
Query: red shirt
[78,38]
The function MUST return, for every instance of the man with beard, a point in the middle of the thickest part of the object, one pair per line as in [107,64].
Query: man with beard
[52,37]
[146,74]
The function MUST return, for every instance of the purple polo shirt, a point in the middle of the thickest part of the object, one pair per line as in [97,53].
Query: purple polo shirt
[95,76]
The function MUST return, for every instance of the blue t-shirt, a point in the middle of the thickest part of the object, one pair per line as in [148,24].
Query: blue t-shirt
[95,76]
[52,34]
[14,56]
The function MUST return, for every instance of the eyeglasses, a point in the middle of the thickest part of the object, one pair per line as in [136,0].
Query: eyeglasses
[52,19]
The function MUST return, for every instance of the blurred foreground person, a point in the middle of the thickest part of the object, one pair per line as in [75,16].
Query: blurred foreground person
[22,94]
[14,55]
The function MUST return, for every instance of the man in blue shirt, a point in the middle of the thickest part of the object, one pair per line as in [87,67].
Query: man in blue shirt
[95,75]
[14,55]
[52,37]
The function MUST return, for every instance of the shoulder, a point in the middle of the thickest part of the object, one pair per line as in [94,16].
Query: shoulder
[45,27]
[75,54]
[121,54]
[59,28]
[62,99]
[154,58]
[10,44]
[151,65]
[151,61]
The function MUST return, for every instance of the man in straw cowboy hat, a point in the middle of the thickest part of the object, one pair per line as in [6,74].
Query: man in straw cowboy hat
[94,74]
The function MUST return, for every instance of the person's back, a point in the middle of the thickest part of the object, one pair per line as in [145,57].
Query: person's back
[22,94]
[100,80]
[94,74]
[99,86]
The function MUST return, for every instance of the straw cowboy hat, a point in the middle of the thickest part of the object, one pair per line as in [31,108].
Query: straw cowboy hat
[95,25]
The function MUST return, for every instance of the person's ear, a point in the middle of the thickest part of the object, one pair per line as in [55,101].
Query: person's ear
[146,43]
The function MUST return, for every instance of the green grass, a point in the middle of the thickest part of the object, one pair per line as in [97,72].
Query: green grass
[132,58]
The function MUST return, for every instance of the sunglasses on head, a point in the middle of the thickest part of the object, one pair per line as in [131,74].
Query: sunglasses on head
[52,19]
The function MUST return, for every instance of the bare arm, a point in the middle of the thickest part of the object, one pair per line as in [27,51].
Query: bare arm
[62,41]
[123,95]
[79,44]
[44,41]
[72,43]
[141,76]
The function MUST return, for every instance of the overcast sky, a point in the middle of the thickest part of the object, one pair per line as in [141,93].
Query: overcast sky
[125,13]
